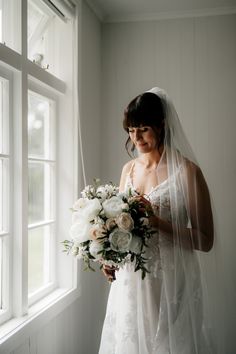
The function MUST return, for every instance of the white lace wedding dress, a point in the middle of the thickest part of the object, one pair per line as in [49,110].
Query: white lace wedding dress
[154,315]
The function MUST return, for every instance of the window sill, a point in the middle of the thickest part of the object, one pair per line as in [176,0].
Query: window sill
[14,331]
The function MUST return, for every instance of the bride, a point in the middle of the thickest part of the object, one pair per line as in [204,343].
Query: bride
[164,313]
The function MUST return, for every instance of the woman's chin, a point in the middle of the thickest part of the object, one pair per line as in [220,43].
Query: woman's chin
[144,149]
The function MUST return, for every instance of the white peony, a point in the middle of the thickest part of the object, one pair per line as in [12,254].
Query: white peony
[79,203]
[80,231]
[120,240]
[135,245]
[88,211]
[125,222]
[113,207]
[94,248]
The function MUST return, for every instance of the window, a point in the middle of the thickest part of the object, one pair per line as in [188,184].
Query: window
[38,158]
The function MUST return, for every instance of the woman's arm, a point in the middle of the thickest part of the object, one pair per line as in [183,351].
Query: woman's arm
[199,205]
[201,234]
[125,170]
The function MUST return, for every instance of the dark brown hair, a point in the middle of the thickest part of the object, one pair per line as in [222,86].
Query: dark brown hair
[145,110]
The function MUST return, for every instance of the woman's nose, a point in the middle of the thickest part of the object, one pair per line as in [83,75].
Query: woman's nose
[137,135]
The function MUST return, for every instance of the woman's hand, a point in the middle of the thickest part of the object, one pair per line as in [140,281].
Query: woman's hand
[145,204]
[109,272]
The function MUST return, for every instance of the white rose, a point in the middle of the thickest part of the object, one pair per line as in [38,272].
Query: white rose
[125,222]
[120,240]
[79,231]
[94,248]
[97,231]
[113,207]
[135,245]
[88,211]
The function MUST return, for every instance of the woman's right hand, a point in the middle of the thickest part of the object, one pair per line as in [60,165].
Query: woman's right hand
[109,272]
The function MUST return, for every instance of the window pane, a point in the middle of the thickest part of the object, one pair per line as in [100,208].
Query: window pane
[1,274]
[39,255]
[4,195]
[10,23]
[39,131]
[1,195]
[4,273]
[44,43]
[40,192]
[4,116]
[1,116]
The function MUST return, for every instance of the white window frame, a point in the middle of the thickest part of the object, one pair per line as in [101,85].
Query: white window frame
[6,235]
[27,75]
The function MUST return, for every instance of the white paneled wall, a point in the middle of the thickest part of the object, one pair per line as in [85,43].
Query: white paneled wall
[194,59]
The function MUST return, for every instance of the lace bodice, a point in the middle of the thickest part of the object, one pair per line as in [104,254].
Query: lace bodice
[159,197]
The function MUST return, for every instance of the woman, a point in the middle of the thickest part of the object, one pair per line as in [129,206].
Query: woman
[162,314]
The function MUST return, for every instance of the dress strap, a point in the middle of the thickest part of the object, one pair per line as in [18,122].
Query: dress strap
[130,173]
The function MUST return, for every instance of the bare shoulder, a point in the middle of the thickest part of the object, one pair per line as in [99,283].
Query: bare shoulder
[125,170]
[127,166]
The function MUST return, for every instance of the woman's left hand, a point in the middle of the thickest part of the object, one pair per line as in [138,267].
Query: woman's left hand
[145,204]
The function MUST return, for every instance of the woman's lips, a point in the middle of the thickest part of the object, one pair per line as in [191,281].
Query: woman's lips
[140,145]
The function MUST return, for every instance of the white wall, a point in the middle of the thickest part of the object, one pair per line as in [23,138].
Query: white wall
[194,60]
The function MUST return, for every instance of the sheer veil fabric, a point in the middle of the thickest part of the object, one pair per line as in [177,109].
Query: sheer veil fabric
[184,285]
[174,296]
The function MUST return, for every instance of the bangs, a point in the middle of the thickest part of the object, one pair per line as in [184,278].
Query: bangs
[144,110]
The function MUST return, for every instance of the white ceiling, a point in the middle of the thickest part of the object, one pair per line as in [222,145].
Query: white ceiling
[133,10]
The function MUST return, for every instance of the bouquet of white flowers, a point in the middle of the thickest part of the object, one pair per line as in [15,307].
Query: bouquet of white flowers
[109,227]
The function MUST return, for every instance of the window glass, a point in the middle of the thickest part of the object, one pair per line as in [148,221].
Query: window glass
[39,255]
[44,45]
[10,24]
[39,132]
[1,272]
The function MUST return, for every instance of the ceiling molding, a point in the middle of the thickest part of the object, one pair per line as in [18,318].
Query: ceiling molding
[152,16]
[96,9]
[170,15]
